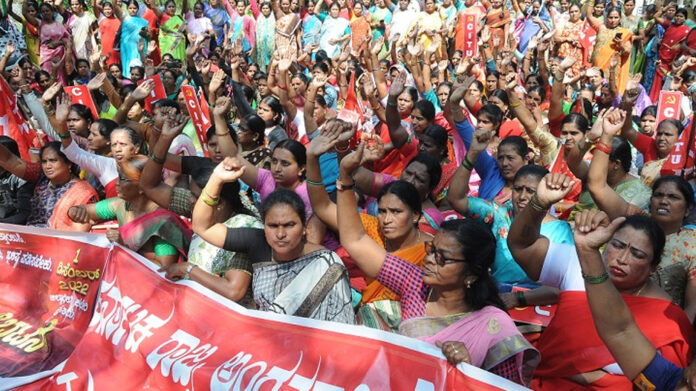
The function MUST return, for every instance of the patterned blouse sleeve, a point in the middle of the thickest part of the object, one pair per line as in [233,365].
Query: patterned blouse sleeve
[406,280]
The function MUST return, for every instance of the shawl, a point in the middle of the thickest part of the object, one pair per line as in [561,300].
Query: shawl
[81,192]
[159,223]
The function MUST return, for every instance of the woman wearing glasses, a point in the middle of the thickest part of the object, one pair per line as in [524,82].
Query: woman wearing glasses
[452,302]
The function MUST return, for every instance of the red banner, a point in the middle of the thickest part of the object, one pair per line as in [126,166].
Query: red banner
[49,281]
[470,40]
[12,122]
[157,92]
[148,332]
[201,123]
[681,159]
[539,315]
[588,36]
[80,96]
[669,105]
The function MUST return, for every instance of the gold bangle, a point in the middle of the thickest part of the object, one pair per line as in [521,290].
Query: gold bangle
[516,104]
[210,200]
[222,134]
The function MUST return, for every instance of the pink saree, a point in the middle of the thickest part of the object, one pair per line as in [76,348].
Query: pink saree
[53,32]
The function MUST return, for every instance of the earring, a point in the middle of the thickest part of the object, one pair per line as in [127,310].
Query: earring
[468,285]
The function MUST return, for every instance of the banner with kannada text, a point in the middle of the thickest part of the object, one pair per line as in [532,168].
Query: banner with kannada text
[49,282]
[148,332]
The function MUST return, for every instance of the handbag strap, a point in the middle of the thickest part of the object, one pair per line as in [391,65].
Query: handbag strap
[320,290]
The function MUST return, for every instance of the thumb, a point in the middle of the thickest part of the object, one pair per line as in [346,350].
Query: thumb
[438,344]
[614,225]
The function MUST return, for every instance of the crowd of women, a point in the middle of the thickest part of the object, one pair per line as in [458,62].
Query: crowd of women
[384,164]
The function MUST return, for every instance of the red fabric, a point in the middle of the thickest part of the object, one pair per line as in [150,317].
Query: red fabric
[152,24]
[12,122]
[395,161]
[509,128]
[571,345]
[555,126]
[681,158]
[646,145]
[110,189]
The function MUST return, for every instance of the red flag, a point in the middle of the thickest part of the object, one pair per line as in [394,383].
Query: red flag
[80,96]
[470,49]
[587,38]
[681,159]
[557,165]
[352,111]
[669,105]
[12,122]
[201,123]
[204,105]
[157,93]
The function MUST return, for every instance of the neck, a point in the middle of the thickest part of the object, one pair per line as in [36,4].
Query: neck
[405,241]
[616,179]
[635,291]
[292,186]
[291,255]
[452,301]
[671,227]
[140,205]
[61,181]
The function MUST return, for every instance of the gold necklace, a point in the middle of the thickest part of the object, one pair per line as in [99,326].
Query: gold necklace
[641,288]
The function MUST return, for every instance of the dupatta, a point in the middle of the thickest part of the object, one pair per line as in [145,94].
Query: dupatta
[80,193]
[159,223]
[171,37]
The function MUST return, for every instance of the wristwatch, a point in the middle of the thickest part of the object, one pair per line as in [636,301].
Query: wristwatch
[340,186]
[190,267]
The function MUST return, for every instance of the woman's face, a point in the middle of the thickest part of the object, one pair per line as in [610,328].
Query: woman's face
[285,6]
[532,99]
[33,11]
[284,230]
[335,11]
[135,112]
[509,161]
[474,91]
[564,5]
[108,11]
[245,136]
[262,86]
[427,145]
[496,4]
[451,274]
[574,12]
[264,111]
[76,7]
[627,257]
[169,81]
[251,71]
[198,9]
[214,3]
[679,19]
[126,188]
[132,9]
[416,173]
[523,189]
[97,142]
[77,124]
[286,172]
[357,9]
[54,167]
[572,135]
[628,7]
[491,82]
[241,7]
[647,125]
[498,102]
[667,136]
[122,146]
[170,9]
[83,69]
[598,9]
[613,19]
[670,12]
[294,5]
[418,121]
[298,85]
[216,155]
[404,103]
[266,10]
[47,14]
[116,72]
[44,82]
[443,94]
[668,205]
[396,219]
[429,6]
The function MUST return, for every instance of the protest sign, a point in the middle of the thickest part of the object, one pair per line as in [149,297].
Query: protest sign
[157,93]
[470,38]
[12,122]
[588,36]
[80,95]
[201,123]
[668,106]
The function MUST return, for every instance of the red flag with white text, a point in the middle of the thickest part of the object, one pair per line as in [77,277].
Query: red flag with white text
[201,122]
[12,123]
[680,160]
[80,95]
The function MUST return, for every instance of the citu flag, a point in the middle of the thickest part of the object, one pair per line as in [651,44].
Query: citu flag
[12,123]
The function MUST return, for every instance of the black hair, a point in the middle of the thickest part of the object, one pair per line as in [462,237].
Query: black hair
[688,76]
[412,92]
[321,66]
[81,60]
[55,145]
[492,72]
[478,248]
[517,143]
[138,68]
[298,151]
[500,94]
[671,121]
[248,92]
[229,192]
[539,90]
[83,111]
[532,170]
[611,9]
[319,100]
[132,135]
[129,2]
[438,134]
[652,230]
[433,167]
[260,75]
[285,197]
[478,85]
[683,11]
[493,113]
[682,185]
[334,3]
[650,110]
[444,84]
[621,150]
[276,107]
[10,144]
[303,78]
[578,120]
[426,108]
[538,78]
[256,125]
[321,56]
[105,127]
[40,73]
[405,192]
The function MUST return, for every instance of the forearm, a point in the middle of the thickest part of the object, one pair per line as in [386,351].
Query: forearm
[38,112]
[399,135]
[122,114]
[203,214]
[234,290]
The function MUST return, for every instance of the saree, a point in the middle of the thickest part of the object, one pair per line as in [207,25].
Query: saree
[426,21]
[567,49]
[108,27]
[651,55]
[651,171]
[80,193]
[171,37]
[161,224]
[633,23]
[53,32]
[605,49]
[527,28]
[220,20]
[243,26]
[677,264]
[282,287]
[332,29]
[311,26]
[439,193]
[673,36]
[496,20]
[570,353]
[489,334]
[80,30]
[31,36]
[265,40]
[286,29]
[359,30]
[130,40]
[631,190]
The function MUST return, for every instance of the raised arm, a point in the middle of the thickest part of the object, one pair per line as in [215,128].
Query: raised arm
[310,122]
[603,195]
[399,136]
[367,254]
[458,194]
[525,241]
[617,328]
[30,19]
[284,95]
[225,141]
[12,163]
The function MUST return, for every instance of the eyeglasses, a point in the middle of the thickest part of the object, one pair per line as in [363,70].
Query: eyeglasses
[439,258]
